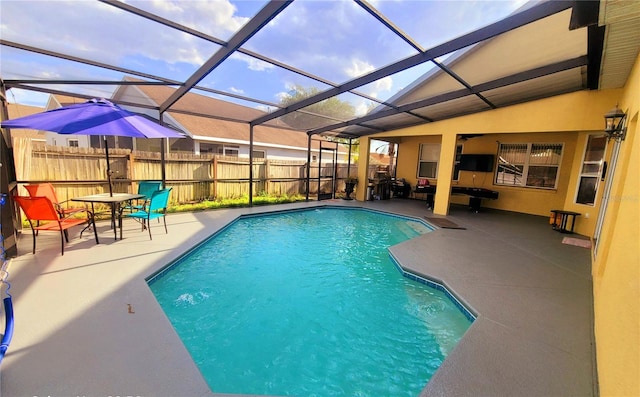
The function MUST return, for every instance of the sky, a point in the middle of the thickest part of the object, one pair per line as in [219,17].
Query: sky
[334,40]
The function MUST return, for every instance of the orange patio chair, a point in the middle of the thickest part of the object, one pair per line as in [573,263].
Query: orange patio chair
[47,190]
[42,209]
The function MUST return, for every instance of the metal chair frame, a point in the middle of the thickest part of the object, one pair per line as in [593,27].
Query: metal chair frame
[48,190]
[156,209]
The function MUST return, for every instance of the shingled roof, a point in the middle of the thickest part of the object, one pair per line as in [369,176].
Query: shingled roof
[212,129]
[16,110]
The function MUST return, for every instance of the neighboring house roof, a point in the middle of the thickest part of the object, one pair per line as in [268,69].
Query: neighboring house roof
[214,129]
[16,110]
[201,104]
[56,101]
[221,129]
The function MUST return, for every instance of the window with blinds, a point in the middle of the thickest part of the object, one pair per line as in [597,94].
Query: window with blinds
[529,164]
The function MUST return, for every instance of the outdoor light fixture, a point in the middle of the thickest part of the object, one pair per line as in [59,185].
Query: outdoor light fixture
[614,124]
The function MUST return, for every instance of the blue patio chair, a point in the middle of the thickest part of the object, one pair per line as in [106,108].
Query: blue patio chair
[145,188]
[156,209]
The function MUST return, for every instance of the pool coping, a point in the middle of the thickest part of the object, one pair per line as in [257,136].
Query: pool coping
[439,285]
[84,325]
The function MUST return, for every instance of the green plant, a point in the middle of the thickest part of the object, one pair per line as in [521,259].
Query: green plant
[236,202]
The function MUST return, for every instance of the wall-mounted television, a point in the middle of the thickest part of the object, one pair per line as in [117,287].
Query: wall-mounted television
[476,162]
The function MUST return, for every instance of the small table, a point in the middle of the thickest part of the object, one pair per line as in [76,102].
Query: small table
[429,191]
[114,200]
[564,219]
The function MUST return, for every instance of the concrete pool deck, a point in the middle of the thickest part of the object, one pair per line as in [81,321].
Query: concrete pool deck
[87,324]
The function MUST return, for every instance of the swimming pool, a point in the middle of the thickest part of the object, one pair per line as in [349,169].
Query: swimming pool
[309,303]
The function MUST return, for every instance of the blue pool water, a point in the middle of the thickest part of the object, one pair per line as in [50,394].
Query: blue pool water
[309,303]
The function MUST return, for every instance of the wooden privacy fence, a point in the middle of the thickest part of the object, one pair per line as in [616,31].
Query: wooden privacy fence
[82,171]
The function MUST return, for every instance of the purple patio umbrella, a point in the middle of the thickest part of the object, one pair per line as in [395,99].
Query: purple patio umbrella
[94,117]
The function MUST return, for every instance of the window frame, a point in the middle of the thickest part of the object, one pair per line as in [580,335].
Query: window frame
[435,148]
[456,163]
[598,175]
[229,148]
[526,166]
[208,148]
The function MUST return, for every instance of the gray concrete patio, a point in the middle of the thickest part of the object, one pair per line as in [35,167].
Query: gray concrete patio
[87,325]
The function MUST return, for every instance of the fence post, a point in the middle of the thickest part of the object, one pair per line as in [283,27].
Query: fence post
[214,172]
[131,172]
[267,185]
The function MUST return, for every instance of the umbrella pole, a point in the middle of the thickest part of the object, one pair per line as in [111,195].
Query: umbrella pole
[106,152]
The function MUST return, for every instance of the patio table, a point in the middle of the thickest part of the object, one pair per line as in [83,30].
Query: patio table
[114,200]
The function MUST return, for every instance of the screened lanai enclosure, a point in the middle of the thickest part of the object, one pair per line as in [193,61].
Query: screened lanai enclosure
[331,69]
[372,60]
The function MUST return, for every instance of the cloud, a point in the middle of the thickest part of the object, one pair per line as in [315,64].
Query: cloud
[258,65]
[280,96]
[321,36]
[358,68]
[236,90]
[361,108]
[252,63]
[337,41]
[104,33]
[216,18]
[382,85]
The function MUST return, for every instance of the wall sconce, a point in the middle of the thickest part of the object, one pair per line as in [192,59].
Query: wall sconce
[614,124]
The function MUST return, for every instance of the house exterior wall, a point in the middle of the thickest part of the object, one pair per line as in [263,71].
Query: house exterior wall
[616,270]
[537,201]
[529,200]
[54,139]
[277,153]
[273,152]
[566,119]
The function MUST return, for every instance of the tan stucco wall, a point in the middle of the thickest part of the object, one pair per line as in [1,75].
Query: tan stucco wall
[528,200]
[616,269]
[579,111]
[567,119]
